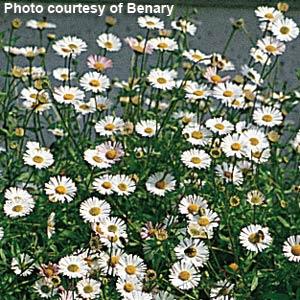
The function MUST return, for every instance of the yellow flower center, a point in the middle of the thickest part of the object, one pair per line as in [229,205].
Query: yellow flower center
[73,46]
[296,250]
[198,135]
[17,208]
[114,260]
[203,221]
[88,289]
[284,30]
[84,106]
[97,159]
[216,78]
[148,130]
[69,97]
[228,174]
[228,93]
[256,237]
[190,252]
[186,120]
[95,83]
[106,185]
[150,23]
[38,159]
[161,80]
[128,287]
[197,57]
[61,190]
[110,126]
[267,118]
[95,211]
[254,141]
[184,275]
[99,66]
[270,48]
[108,45]
[111,154]
[199,93]
[162,45]
[255,200]
[193,208]
[196,160]
[112,228]
[236,146]
[73,268]
[42,24]
[161,184]
[269,16]
[220,126]
[123,186]
[130,269]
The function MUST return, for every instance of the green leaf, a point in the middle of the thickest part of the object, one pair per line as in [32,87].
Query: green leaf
[283,222]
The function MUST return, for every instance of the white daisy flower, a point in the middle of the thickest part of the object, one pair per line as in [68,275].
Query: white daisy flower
[60,188]
[220,126]
[184,26]
[123,185]
[16,193]
[150,22]
[146,128]
[44,288]
[196,56]
[108,262]
[109,42]
[230,173]
[197,134]
[67,95]
[62,74]
[69,46]
[222,291]
[104,184]
[73,266]
[40,25]
[206,218]
[191,205]
[227,92]
[96,159]
[131,266]
[255,238]
[285,29]
[271,46]
[88,288]
[196,91]
[192,251]
[108,126]
[256,139]
[195,158]
[184,275]
[267,116]
[291,248]
[85,108]
[269,14]
[40,158]
[260,56]
[163,44]
[94,82]
[159,183]
[23,265]
[93,209]
[18,207]
[162,79]
[234,145]
[255,197]
[251,74]
[259,156]
[112,151]
[126,286]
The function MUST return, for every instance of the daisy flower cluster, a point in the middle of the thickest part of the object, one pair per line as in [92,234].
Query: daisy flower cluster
[178,182]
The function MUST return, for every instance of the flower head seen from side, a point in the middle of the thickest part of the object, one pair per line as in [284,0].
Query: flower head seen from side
[184,276]
[223,290]
[66,95]
[291,248]
[40,25]
[255,238]
[60,189]
[150,22]
[139,47]
[184,26]
[69,46]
